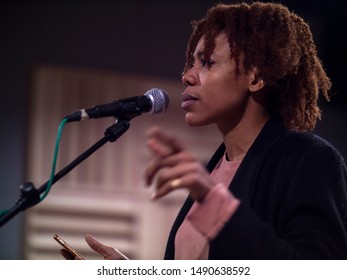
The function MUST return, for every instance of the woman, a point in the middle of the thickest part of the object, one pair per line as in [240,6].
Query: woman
[273,190]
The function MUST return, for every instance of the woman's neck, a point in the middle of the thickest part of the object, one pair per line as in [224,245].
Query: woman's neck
[239,138]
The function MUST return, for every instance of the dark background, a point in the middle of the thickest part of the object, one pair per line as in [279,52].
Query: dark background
[145,37]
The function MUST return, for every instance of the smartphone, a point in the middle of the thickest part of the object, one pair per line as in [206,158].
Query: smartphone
[67,247]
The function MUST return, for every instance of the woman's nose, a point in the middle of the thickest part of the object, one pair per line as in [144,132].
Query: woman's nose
[188,78]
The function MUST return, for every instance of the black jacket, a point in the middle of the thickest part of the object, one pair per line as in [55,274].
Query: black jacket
[293,193]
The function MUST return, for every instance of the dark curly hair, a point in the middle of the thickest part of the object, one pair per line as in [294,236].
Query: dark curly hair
[280,45]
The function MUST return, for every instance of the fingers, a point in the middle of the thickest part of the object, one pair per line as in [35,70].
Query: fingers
[109,253]
[163,164]
[173,167]
[161,143]
[179,171]
[191,176]
[177,183]
[167,151]
[185,172]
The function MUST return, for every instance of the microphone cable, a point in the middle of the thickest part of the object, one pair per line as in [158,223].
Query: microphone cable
[55,156]
[54,164]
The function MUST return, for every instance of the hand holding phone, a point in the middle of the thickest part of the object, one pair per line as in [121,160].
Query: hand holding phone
[68,252]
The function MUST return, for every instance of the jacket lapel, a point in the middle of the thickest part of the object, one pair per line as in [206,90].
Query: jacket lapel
[246,177]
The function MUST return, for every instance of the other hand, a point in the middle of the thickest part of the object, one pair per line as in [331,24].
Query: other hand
[107,252]
[173,167]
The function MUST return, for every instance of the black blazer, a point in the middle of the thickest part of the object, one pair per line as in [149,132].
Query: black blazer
[293,193]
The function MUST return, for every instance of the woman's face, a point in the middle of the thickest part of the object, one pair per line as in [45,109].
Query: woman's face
[214,92]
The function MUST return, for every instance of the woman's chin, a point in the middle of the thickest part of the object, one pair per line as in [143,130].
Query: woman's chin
[192,121]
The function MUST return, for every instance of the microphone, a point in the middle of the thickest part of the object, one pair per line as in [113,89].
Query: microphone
[155,101]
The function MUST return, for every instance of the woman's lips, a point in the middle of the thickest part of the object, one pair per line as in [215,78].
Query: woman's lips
[187,100]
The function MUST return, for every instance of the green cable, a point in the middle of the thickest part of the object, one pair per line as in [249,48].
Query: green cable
[50,182]
[3,212]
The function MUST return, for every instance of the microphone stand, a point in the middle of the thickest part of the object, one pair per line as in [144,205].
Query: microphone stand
[30,196]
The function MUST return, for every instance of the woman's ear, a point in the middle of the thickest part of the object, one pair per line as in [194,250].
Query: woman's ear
[256,83]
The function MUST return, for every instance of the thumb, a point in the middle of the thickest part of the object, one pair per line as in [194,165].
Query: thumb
[108,252]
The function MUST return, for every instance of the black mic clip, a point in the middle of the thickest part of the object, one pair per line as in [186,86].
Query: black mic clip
[116,130]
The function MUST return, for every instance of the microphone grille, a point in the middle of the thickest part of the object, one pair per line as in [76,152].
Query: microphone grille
[159,99]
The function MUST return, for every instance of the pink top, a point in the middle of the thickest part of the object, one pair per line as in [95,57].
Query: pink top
[206,218]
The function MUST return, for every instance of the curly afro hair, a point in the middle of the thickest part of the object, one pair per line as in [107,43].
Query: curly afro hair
[280,45]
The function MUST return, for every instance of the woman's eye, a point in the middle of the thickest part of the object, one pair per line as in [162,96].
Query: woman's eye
[206,63]
[203,62]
